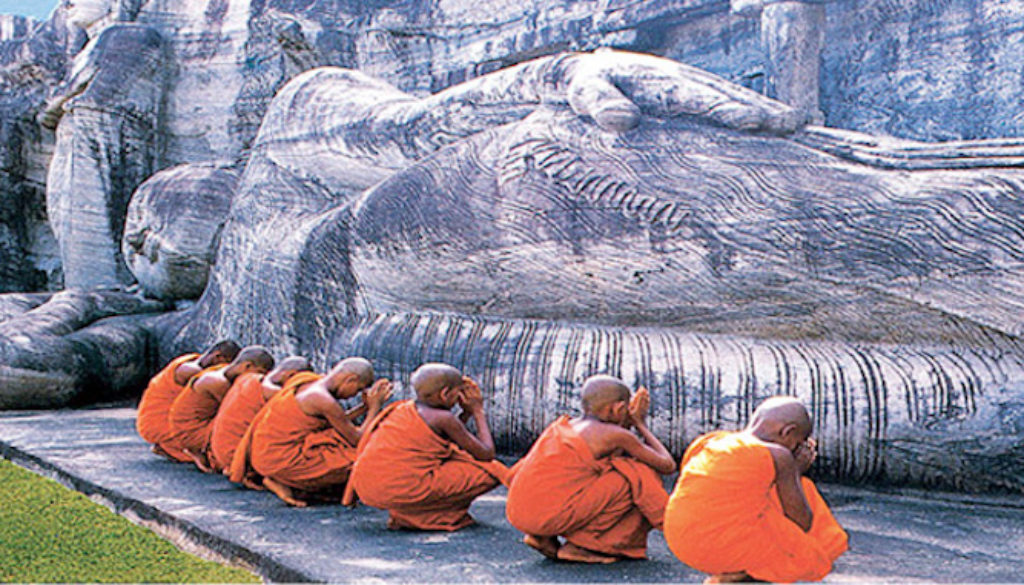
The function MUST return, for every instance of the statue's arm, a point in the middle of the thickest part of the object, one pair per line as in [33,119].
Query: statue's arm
[82,73]
[357,130]
[112,67]
[614,88]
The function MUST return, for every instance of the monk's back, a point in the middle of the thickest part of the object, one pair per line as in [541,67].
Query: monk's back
[594,434]
[157,400]
[724,488]
[192,412]
[552,478]
[402,450]
[236,412]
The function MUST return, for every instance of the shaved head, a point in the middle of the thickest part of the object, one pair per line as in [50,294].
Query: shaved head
[292,363]
[355,365]
[601,390]
[224,351]
[429,379]
[780,411]
[256,355]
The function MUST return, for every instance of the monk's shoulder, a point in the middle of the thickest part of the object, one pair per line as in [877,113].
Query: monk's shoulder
[313,394]
[772,458]
[439,420]
[211,382]
[185,371]
[601,437]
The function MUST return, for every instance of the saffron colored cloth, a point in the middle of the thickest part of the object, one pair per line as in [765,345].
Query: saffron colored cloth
[425,482]
[191,415]
[236,412]
[606,505]
[241,461]
[298,450]
[155,405]
[724,515]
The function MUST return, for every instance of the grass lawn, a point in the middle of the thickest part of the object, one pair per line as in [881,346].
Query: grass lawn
[51,534]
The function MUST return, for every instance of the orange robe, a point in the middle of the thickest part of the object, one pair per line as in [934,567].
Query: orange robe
[607,505]
[425,482]
[301,451]
[191,415]
[155,405]
[236,412]
[725,515]
[241,461]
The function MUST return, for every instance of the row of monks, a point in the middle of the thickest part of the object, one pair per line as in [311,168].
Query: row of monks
[589,490]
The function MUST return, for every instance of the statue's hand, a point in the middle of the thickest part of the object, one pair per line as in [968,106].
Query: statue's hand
[52,112]
[615,88]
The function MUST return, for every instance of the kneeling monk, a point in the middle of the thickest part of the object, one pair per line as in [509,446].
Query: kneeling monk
[155,405]
[591,481]
[302,442]
[418,461]
[192,413]
[742,509]
[240,405]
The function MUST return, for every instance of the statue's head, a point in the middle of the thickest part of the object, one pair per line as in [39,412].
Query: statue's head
[172,226]
[85,13]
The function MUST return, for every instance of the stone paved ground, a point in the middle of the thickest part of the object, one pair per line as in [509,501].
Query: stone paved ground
[905,537]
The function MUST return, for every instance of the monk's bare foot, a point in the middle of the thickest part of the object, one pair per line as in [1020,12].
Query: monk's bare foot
[545,545]
[284,492]
[251,484]
[200,460]
[575,554]
[739,577]
[157,449]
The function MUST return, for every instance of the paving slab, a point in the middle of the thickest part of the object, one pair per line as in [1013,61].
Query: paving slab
[900,536]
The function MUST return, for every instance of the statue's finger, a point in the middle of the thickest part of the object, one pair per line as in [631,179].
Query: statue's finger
[594,96]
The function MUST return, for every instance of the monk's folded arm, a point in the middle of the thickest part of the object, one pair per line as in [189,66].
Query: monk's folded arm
[651,451]
[331,410]
[482,447]
[356,412]
[787,483]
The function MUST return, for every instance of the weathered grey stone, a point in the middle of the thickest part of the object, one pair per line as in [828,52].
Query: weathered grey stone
[107,144]
[693,239]
[517,227]
[32,61]
[67,351]
[173,226]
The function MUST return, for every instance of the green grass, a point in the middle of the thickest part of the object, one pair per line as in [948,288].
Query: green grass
[50,534]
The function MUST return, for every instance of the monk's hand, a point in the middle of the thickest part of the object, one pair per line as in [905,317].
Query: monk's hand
[471,398]
[805,454]
[378,394]
[639,406]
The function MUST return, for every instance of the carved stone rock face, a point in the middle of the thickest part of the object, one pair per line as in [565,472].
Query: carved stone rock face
[716,264]
[83,13]
[105,147]
[172,227]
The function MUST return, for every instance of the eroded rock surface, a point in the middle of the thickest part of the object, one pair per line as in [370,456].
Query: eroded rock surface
[77,347]
[106,117]
[541,224]
[173,226]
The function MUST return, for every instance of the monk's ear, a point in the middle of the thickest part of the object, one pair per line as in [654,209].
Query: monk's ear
[790,434]
[620,411]
[447,393]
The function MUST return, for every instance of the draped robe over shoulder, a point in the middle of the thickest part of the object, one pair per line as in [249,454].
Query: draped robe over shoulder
[155,406]
[236,413]
[725,516]
[296,449]
[191,416]
[606,505]
[424,481]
